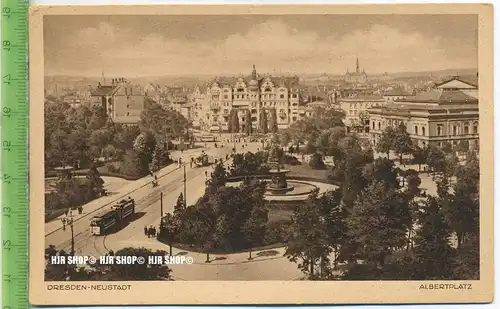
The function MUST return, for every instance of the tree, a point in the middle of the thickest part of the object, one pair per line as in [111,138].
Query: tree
[309,239]
[162,123]
[420,155]
[255,227]
[248,122]
[133,165]
[219,176]
[95,183]
[144,145]
[230,122]
[386,141]
[160,158]
[381,170]
[462,207]
[447,148]
[235,122]
[169,227]
[378,222]
[99,139]
[402,143]
[328,140]
[433,255]
[180,206]
[317,161]
[263,121]
[463,146]
[436,159]
[273,121]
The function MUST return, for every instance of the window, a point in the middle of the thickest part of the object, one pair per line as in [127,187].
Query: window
[225,96]
[416,130]
[455,130]
[475,128]
[439,130]
[466,128]
[423,130]
[373,125]
[379,126]
[282,96]
[128,114]
[294,118]
[128,105]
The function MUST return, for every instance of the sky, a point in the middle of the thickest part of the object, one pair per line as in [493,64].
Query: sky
[138,46]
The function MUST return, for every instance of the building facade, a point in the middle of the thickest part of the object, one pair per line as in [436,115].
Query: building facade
[356,111]
[122,101]
[434,117]
[247,96]
[357,77]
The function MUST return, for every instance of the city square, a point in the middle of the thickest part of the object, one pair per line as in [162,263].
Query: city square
[259,171]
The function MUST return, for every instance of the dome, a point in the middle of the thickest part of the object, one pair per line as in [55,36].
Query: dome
[253,82]
[240,80]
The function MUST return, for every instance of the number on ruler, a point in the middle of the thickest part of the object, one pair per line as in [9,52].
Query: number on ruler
[6,211]
[6,278]
[6,178]
[6,45]
[6,145]
[6,79]
[7,244]
[6,12]
[6,111]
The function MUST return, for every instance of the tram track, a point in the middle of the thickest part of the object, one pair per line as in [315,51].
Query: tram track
[81,239]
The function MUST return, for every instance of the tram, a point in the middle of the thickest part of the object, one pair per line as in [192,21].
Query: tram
[108,219]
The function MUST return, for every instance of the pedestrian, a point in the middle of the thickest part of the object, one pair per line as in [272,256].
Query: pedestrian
[63,223]
[66,212]
[206,173]
[154,231]
[145,231]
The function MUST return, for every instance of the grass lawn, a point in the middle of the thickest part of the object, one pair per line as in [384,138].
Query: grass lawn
[306,171]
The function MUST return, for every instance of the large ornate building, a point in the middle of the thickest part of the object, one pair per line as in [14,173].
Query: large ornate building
[357,77]
[448,113]
[247,96]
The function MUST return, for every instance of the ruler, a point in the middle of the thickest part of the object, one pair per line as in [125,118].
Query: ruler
[14,153]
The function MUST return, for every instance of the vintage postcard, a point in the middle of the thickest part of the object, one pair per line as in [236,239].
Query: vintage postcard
[261,154]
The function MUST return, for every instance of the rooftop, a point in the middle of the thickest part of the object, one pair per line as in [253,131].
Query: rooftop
[441,96]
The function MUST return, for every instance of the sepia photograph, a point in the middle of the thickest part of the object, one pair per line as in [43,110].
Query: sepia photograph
[262,145]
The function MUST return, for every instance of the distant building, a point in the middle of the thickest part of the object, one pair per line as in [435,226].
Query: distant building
[456,83]
[356,111]
[433,117]
[395,95]
[357,77]
[122,101]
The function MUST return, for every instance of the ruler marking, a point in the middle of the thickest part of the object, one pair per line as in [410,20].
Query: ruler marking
[14,158]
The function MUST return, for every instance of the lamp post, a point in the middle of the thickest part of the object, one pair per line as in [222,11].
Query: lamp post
[185,184]
[69,221]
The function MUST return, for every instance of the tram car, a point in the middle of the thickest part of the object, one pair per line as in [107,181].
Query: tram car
[113,217]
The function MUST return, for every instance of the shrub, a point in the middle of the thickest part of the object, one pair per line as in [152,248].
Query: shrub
[317,162]
[133,165]
[277,232]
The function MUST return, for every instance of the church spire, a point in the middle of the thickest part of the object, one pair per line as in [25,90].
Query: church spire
[357,65]
[254,73]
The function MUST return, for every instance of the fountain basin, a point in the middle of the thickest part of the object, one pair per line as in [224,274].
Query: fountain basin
[270,190]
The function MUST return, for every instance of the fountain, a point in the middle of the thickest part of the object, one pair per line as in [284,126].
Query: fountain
[278,184]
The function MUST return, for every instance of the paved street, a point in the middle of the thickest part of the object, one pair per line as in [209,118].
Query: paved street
[222,267]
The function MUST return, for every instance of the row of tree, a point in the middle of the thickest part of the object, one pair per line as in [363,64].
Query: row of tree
[224,218]
[71,191]
[267,123]
[378,229]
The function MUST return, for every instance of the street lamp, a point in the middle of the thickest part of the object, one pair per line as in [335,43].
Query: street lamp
[69,221]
